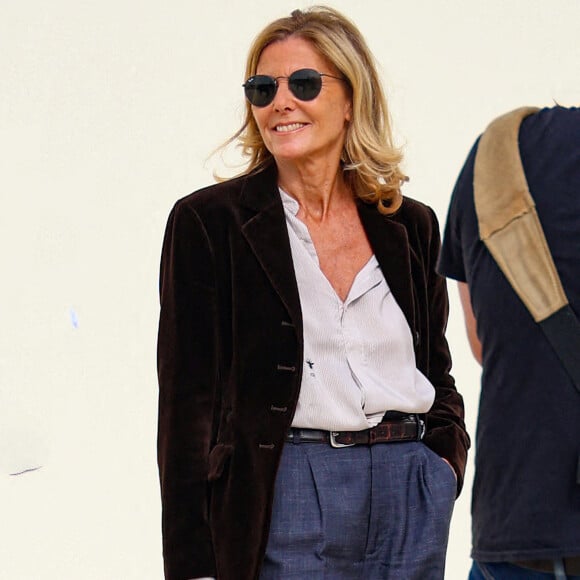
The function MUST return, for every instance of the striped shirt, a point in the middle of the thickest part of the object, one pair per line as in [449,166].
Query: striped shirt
[359,360]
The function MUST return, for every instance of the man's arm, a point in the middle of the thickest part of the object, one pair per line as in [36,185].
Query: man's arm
[470,323]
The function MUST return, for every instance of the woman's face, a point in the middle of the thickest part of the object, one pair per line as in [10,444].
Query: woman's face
[296,131]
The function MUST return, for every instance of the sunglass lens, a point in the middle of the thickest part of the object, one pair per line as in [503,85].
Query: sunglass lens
[305,84]
[260,90]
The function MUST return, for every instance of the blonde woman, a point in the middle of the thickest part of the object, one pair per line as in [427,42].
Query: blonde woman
[308,424]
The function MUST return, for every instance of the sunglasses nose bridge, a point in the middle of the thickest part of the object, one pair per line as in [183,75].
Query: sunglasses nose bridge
[283,93]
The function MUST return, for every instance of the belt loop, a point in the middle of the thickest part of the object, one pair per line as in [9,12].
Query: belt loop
[296,436]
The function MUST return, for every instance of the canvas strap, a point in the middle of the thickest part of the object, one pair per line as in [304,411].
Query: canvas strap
[510,228]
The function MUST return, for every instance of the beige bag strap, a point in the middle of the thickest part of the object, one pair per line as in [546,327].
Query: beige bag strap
[510,228]
[508,221]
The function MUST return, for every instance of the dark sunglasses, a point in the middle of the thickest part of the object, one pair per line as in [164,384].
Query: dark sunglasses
[305,85]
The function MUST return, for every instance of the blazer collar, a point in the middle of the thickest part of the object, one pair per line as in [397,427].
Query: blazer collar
[260,188]
[390,243]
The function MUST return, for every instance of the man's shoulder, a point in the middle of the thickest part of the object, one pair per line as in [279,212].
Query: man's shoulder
[553,124]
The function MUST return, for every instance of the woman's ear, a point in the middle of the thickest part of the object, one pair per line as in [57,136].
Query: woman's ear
[348,112]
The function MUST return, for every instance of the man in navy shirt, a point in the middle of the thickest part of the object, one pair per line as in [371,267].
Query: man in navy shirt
[526,491]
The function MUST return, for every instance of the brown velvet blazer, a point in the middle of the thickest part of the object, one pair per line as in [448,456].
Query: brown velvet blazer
[230,355]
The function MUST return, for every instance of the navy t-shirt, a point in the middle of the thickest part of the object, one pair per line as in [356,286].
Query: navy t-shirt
[526,493]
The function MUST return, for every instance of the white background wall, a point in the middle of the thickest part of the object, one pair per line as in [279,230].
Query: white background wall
[108,111]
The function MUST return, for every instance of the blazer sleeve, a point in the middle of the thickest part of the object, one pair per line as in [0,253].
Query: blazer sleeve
[446,433]
[187,371]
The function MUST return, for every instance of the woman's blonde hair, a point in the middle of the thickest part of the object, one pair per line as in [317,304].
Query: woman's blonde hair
[370,158]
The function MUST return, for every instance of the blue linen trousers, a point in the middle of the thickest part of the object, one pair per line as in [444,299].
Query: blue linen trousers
[360,513]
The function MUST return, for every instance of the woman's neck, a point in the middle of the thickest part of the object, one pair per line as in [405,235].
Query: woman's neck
[318,189]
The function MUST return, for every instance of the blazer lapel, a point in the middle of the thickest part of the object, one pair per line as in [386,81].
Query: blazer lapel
[266,232]
[390,244]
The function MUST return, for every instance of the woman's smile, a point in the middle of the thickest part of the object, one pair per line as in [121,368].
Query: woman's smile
[287,128]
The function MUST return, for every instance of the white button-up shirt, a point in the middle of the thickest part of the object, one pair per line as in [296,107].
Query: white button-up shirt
[359,360]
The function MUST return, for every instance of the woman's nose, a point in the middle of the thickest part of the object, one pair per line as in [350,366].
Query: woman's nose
[283,99]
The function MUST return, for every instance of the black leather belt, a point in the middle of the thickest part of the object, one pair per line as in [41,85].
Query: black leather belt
[402,428]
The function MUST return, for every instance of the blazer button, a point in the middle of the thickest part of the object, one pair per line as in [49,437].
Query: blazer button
[285,368]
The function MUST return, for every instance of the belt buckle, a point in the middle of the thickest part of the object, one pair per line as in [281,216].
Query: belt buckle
[334,443]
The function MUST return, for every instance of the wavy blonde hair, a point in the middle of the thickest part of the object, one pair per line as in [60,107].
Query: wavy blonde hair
[371,162]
